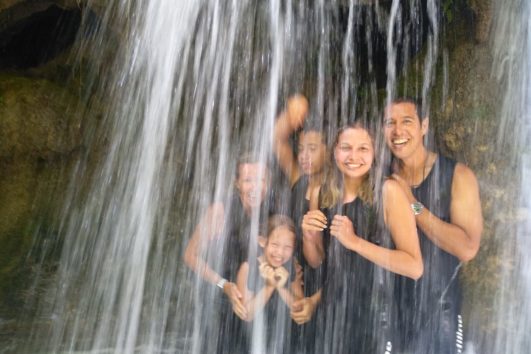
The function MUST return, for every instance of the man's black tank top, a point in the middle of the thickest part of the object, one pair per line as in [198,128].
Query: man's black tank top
[438,288]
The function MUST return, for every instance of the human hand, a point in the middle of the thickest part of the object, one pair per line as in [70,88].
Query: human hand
[235,297]
[313,221]
[405,187]
[267,273]
[297,109]
[343,230]
[281,277]
[302,310]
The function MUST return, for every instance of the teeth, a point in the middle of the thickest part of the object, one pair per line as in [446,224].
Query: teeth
[353,165]
[399,141]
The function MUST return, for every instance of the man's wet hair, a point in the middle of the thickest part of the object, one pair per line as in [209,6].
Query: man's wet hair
[415,101]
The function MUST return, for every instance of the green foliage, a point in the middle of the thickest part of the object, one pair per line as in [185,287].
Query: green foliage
[447,9]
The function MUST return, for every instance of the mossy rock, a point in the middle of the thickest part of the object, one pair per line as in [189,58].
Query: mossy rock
[38,118]
[27,206]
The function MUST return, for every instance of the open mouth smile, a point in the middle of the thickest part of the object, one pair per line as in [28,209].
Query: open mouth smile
[400,141]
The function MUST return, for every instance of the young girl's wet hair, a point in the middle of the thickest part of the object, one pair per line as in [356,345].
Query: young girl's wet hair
[278,220]
[332,189]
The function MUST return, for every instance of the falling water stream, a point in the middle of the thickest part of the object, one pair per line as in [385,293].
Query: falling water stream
[193,84]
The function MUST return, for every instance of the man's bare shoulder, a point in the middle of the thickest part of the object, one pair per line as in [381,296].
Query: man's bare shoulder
[464,174]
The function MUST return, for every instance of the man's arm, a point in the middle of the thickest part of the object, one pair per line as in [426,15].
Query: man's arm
[461,237]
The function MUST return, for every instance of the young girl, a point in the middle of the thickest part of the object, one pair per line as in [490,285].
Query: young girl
[269,285]
[358,255]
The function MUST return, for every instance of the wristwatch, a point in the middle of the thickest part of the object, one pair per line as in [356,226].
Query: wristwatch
[417,208]
[221,283]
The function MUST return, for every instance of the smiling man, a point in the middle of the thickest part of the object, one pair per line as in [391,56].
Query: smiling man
[444,196]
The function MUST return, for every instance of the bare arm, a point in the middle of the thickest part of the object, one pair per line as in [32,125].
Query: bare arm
[207,229]
[461,237]
[406,258]
[313,223]
[253,302]
[303,309]
[288,122]
[289,296]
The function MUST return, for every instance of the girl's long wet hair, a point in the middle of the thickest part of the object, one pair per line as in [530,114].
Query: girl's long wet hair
[332,189]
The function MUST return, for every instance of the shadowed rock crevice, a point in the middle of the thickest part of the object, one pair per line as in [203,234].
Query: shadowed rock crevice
[32,41]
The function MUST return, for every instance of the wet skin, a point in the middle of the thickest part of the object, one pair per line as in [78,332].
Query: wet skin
[252,184]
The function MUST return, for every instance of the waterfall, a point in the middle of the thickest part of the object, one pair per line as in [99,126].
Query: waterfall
[187,87]
[511,41]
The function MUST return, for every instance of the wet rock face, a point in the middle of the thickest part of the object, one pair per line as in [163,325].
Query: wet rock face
[40,129]
[38,119]
[483,12]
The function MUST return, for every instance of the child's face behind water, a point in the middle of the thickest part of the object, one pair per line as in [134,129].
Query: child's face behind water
[279,247]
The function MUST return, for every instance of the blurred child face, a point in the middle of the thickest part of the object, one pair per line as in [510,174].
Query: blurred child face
[354,153]
[279,247]
[311,152]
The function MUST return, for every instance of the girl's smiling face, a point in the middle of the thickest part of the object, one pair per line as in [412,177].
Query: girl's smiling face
[279,246]
[354,153]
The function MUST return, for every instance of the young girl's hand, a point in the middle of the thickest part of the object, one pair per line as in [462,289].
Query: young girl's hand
[267,273]
[343,230]
[281,277]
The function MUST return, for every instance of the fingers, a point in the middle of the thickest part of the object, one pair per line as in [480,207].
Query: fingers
[265,270]
[301,311]
[300,319]
[297,306]
[314,220]
[237,292]
[337,225]
[237,305]
[239,310]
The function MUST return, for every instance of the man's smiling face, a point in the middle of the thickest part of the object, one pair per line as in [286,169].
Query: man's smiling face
[403,129]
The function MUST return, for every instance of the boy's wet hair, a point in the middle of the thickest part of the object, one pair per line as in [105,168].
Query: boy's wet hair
[417,102]
[314,124]
[279,220]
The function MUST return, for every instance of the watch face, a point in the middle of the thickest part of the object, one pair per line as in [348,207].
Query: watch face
[417,208]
